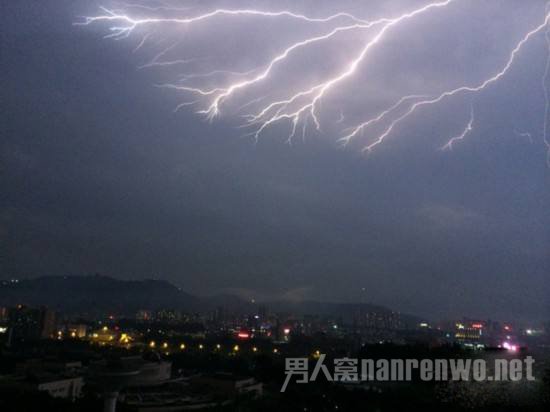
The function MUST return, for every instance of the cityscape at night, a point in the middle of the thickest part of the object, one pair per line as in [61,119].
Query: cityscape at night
[230,355]
[274,205]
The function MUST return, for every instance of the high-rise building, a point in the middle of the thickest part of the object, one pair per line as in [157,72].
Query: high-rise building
[26,323]
[3,314]
[48,325]
[469,330]
[144,315]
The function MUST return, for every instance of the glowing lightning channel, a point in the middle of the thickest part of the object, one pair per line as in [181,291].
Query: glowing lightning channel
[545,86]
[471,89]
[356,130]
[133,23]
[214,108]
[461,136]
[156,61]
[525,135]
[301,107]
[317,92]
[342,118]
[224,93]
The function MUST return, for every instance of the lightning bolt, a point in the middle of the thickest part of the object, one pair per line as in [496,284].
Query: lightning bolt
[461,136]
[524,134]
[342,118]
[545,86]
[300,107]
[131,24]
[316,93]
[357,129]
[463,89]
[156,61]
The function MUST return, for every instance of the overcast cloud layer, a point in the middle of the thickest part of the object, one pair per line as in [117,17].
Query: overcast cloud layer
[100,175]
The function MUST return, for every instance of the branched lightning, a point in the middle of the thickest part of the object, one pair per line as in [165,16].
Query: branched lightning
[358,129]
[462,89]
[130,24]
[299,106]
[314,94]
[157,59]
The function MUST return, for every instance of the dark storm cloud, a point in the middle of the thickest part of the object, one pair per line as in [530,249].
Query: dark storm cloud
[99,175]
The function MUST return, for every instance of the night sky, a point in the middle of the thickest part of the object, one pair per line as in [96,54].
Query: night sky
[100,175]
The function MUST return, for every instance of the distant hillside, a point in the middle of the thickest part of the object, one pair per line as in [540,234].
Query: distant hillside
[89,295]
[346,311]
